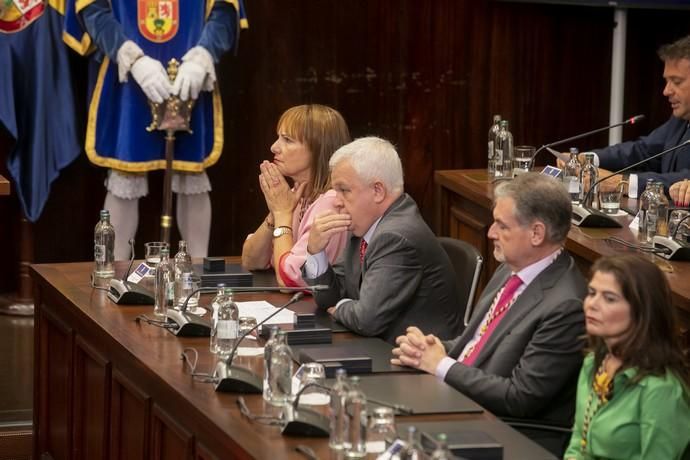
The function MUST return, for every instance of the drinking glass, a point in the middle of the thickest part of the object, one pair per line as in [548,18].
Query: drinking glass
[675,218]
[246,324]
[381,430]
[610,201]
[193,304]
[312,373]
[522,159]
[153,254]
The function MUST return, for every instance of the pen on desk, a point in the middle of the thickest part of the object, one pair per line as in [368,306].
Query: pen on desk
[306,451]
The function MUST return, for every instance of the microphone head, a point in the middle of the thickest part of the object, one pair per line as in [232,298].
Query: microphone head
[635,119]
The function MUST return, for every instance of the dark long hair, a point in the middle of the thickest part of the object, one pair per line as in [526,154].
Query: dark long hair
[652,345]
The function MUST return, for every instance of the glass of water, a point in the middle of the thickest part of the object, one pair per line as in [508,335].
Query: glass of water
[522,159]
[610,201]
[381,431]
[312,373]
[152,254]
[675,218]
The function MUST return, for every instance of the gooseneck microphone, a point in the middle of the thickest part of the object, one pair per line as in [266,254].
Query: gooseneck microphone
[239,379]
[122,292]
[629,121]
[584,216]
[191,325]
[306,422]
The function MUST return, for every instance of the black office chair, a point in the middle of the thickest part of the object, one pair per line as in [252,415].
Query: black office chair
[552,437]
[467,264]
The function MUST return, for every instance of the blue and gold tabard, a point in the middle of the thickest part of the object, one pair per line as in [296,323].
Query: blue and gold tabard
[119,113]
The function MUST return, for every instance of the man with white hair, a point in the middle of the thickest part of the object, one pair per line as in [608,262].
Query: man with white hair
[393,272]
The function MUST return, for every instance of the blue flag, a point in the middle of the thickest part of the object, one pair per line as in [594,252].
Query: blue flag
[36,100]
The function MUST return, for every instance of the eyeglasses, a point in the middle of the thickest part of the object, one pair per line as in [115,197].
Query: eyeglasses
[191,362]
[262,419]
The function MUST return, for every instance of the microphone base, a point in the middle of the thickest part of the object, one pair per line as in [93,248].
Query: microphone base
[233,379]
[305,422]
[592,218]
[188,324]
[125,293]
[673,249]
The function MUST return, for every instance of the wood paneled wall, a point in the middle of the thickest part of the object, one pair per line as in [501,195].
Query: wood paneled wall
[428,75]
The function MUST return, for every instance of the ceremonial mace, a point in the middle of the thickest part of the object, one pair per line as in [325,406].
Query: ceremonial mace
[170,116]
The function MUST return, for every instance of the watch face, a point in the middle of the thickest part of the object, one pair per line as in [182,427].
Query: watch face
[279,231]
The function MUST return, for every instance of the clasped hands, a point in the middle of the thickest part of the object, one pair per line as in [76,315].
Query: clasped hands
[280,198]
[419,351]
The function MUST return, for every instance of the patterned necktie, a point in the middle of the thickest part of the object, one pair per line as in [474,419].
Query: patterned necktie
[495,315]
[362,250]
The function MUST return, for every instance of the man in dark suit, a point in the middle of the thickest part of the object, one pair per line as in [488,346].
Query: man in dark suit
[522,350]
[669,168]
[393,272]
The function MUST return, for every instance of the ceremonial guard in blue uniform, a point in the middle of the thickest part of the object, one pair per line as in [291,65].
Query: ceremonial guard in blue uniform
[132,42]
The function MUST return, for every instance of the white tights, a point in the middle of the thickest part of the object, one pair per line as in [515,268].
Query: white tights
[193,214]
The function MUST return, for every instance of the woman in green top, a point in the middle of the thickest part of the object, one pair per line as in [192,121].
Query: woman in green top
[633,398]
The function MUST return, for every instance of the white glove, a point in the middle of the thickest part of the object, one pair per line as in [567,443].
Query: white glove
[196,73]
[127,55]
[152,78]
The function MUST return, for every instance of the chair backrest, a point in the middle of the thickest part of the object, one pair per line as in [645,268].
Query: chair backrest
[467,264]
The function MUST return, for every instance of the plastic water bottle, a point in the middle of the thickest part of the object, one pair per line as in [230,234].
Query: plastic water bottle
[268,353]
[215,305]
[588,176]
[164,285]
[280,378]
[356,413]
[503,151]
[227,325]
[571,176]
[493,132]
[183,277]
[337,440]
[103,251]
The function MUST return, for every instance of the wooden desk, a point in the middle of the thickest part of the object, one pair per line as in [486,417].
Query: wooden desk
[4,186]
[463,204]
[106,386]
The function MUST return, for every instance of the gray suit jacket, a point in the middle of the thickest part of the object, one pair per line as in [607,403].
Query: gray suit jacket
[406,280]
[529,365]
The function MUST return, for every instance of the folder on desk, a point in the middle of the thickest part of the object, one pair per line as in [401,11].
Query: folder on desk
[515,446]
[379,351]
[422,393]
[335,357]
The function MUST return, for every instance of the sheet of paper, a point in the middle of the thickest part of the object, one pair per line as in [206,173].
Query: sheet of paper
[261,310]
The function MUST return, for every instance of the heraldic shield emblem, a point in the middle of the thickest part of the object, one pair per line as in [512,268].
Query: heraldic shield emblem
[15,15]
[158,19]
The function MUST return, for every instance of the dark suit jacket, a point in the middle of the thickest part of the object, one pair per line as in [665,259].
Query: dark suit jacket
[529,366]
[668,168]
[406,280]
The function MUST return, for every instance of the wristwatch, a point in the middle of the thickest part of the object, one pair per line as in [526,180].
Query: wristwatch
[282,230]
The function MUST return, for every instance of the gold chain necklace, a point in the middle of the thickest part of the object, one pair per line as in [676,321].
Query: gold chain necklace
[602,387]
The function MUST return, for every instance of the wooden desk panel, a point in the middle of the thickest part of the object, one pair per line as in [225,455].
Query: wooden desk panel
[106,386]
[4,186]
[463,210]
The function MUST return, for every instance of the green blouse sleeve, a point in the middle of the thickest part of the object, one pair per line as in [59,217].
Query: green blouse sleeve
[664,418]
